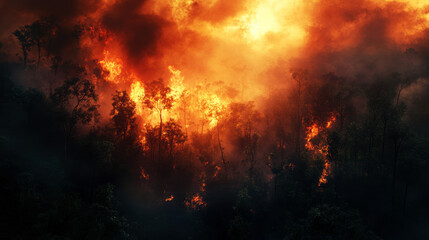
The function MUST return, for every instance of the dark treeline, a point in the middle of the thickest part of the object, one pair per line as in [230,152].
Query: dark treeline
[69,173]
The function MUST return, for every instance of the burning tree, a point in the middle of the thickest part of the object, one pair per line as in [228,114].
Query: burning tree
[173,135]
[157,98]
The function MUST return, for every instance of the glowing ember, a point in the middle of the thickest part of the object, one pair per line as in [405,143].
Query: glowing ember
[143,174]
[169,199]
[217,169]
[195,202]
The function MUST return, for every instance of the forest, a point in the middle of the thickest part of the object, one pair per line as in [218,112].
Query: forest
[125,119]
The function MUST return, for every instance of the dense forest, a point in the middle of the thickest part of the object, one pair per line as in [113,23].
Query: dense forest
[91,149]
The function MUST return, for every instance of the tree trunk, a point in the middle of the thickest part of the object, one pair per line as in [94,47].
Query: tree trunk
[160,135]
[299,122]
[24,54]
[404,203]
[220,146]
[38,52]
[395,159]
[383,138]
[65,143]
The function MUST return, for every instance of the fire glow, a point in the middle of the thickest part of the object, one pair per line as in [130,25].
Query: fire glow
[196,59]
[322,147]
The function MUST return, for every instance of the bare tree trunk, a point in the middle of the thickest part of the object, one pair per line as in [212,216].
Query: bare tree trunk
[383,137]
[404,203]
[25,54]
[275,186]
[399,94]
[184,119]
[299,122]
[395,159]
[251,152]
[38,52]
[220,146]
[65,143]
[160,135]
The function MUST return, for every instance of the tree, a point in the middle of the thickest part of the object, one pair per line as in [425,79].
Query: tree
[80,94]
[76,99]
[24,37]
[173,135]
[157,97]
[398,134]
[300,76]
[242,119]
[123,115]
[37,32]
[380,110]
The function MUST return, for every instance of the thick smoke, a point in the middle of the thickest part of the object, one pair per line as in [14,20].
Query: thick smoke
[363,39]
[140,35]
[15,13]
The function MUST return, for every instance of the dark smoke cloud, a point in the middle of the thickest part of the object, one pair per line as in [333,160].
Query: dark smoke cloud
[18,12]
[139,34]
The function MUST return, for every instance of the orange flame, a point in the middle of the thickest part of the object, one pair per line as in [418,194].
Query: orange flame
[113,66]
[143,174]
[322,148]
[137,94]
[217,169]
[196,202]
[169,199]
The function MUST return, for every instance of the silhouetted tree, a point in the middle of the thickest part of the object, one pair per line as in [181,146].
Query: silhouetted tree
[123,116]
[300,76]
[24,37]
[37,31]
[243,119]
[77,98]
[173,135]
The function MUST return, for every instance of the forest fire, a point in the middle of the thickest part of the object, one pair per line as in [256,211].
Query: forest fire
[140,119]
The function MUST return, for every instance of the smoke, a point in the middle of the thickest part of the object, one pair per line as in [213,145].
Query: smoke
[248,47]
[15,13]
[364,39]
[139,35]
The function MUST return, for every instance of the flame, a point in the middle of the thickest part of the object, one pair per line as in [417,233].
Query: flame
[169,199]
[113,66]
[199,102]
[196,202]
[217,169]
[312,132]
[212,107]
[181,9]
[321,148]
[143,174]
[238,47]
[137,95]
[176,84]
